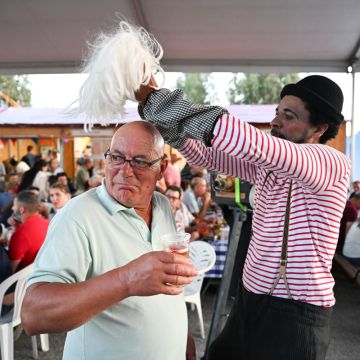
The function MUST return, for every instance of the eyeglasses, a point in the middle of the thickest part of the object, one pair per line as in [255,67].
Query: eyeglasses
[118,160]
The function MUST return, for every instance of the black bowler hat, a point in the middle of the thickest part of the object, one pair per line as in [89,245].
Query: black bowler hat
[320,92]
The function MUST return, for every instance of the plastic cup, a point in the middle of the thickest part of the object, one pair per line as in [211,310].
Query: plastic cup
[177,243]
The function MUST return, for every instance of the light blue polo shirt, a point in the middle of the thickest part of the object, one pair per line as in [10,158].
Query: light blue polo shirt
[91,235]
[189,199]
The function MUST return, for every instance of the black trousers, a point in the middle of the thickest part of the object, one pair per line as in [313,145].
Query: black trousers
[266,327]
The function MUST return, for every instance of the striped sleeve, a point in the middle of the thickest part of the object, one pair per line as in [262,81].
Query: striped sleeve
[196,153]
[316,166]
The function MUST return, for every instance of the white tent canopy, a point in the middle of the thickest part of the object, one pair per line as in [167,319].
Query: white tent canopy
[49,36]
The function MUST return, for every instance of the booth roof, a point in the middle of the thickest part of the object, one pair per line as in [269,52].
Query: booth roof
[31,116]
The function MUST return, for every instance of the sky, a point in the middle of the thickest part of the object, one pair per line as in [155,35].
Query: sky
[60,90]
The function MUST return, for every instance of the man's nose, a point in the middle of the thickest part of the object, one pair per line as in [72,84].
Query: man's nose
[127,169]
[275,122]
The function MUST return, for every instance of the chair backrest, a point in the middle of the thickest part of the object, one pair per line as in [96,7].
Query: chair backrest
[20,279]
[202,255]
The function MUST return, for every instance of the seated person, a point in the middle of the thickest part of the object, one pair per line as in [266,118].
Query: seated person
[355,186]
[5,272]
[27,237]
[5,266]
[185,221]
[195,195]
[350,214]
[54,166]
[62,178]
[351,249]
[4,239]
[82,175]
[171,177]
[41,178]
[6,199]
[44,206]
[59,196]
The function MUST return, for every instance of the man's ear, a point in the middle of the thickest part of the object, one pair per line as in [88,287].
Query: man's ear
[21,210]
[163,166]
[320,130]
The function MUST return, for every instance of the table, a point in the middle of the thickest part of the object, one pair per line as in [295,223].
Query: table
[221,247]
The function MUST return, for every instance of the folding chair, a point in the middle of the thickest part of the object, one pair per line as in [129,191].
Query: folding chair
[12,318]
[203,258]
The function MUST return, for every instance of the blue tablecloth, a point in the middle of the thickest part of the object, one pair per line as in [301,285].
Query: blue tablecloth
[221,248]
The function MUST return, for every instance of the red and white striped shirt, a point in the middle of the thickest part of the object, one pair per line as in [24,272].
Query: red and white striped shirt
[319,174]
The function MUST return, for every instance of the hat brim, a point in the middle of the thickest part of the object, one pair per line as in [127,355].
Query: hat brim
[312,98]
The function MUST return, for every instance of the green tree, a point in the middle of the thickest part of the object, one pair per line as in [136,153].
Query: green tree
[258,88]
[17,87]
[195,87]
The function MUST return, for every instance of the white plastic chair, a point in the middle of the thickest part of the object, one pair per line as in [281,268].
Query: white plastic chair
[203,257]
[12,318]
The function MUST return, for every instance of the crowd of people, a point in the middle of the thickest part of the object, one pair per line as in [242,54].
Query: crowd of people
[32,191]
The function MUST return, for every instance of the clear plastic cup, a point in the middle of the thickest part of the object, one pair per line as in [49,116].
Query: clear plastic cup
[177,243]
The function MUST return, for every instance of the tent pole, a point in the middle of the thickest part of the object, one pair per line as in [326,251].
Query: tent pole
[352,135]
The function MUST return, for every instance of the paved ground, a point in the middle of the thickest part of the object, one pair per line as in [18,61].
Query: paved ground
[345,340]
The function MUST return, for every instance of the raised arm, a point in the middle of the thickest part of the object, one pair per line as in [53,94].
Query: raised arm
[235,143]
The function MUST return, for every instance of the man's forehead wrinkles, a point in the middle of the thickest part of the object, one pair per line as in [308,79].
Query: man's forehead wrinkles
[124,153]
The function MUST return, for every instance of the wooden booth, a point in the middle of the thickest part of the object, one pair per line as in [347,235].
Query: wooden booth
[51,129]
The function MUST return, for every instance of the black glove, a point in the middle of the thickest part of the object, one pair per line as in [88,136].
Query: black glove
[178,120]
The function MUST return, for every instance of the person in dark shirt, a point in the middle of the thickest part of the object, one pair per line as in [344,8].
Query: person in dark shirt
[5,266]
[29,158]
[5,272]
[6,199]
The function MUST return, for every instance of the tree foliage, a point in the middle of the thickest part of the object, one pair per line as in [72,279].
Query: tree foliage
[195,87]
[258,88]
[17,88]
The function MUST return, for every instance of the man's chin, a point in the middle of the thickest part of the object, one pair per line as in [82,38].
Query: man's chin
[277,134]
[125,200]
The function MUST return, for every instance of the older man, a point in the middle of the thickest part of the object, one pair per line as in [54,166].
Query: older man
[197,193]
[101,274]
[287,296]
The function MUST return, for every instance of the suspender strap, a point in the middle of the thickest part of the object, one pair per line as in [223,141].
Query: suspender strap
[283,259]
[265,180]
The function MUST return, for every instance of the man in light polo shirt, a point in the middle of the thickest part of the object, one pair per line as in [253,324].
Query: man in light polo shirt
[101,274]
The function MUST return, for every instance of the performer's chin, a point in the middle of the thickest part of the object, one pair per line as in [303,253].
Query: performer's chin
[277,134]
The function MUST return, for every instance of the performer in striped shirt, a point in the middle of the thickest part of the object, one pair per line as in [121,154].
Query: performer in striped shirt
[284,306]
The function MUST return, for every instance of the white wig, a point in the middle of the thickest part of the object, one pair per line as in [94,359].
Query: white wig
[118,64]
